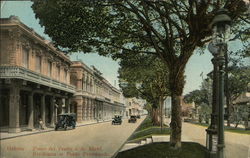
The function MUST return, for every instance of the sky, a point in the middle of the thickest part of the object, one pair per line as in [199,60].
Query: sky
[197,65]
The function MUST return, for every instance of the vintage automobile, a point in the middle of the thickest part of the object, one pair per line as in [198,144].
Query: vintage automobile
[132,119]
[117,120]
[66,120]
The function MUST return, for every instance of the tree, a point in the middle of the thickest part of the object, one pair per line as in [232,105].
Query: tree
[238,81]
[204,112]
[146,77]
[240,113]
[171,30]
[202,99]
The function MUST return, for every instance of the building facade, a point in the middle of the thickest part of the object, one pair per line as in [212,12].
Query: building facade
[95,97]
[242,105]
[39,82]
[134,106]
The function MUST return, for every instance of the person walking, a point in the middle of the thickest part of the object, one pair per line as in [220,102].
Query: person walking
[41,127]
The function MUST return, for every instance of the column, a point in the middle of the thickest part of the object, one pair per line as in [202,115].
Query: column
[102,115]
[59,109]
[14,109]
[31,111]
[43,108]
[67,105]
[62,106]
[85,108]
[56,110]
[79,80]
[79,110]
[52,111]
[89,109]
[94,112]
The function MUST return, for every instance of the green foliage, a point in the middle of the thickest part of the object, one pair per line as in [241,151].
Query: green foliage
[202,99]
[238,81]
[170,30]
[147,129]
[164,150]
[240,114]
[148,107]
[196,96]
[201,96]
[204,112]
[227,129]
[145,124]
[165,27]
[144,76]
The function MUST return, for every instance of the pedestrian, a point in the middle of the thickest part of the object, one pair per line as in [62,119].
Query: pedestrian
[41,124]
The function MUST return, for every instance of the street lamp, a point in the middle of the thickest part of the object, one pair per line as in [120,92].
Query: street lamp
[218,47]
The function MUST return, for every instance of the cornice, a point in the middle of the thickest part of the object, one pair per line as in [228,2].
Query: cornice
[16,28]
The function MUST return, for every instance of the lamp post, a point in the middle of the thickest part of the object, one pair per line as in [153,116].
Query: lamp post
[218,47]
[212,134]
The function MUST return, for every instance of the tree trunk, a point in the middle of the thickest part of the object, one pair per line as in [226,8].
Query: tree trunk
[155,118]
[236,125]
[161,111]
[176,123]
[176,82]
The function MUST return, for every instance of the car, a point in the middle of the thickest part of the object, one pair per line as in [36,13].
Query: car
[66,120]
[138,116]
[187,120]
[117,120]
[132,119]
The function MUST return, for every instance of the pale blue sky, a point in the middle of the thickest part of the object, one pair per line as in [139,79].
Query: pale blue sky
[196,65]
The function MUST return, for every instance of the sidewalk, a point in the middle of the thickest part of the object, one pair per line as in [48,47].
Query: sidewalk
[6,135]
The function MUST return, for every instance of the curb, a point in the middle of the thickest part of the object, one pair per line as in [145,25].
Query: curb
[27,134]
[115,154]
[50,130]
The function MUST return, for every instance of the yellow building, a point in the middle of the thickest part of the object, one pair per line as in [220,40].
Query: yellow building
[39,82]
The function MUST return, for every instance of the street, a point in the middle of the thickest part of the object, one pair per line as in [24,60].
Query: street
[97,140]
[237,145]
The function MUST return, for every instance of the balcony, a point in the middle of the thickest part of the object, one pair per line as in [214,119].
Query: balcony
[25,74]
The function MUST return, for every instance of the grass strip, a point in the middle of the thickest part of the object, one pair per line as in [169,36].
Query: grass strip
[163,150]
[227,129]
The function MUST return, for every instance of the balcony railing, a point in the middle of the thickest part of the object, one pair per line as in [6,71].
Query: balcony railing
[25,74]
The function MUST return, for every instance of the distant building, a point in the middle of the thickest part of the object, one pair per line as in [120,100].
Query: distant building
[38,81]
[167,107]
[95,97]
[134,106]
[243,101]
[244,98]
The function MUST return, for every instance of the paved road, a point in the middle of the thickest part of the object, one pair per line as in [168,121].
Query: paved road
[237,145]
[98,140]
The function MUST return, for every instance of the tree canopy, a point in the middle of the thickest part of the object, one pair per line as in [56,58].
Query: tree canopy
[169,29]
[144,76]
